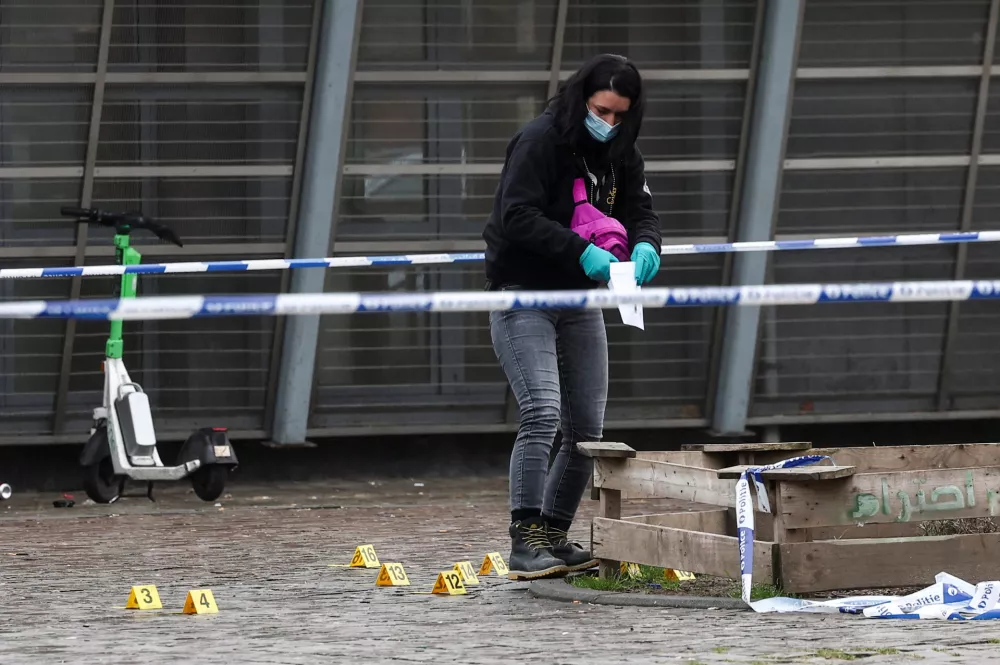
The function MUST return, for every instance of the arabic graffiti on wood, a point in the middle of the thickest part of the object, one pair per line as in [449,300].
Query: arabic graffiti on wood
[907,496]
[947,498]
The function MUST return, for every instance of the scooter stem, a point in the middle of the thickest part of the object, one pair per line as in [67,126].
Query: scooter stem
[125,255]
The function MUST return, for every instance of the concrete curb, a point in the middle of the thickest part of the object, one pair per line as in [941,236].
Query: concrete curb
[562,591]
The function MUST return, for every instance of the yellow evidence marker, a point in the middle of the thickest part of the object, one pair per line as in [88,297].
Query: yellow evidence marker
[632,570]
[467,572]
[144,597]
[392,574]
[449,582]
[678,575]
[200,601]
[494,563]
[365,557]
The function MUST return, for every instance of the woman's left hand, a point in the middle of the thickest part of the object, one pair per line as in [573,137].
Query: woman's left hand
[647,262]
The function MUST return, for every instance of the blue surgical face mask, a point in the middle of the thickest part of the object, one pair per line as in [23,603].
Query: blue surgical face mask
[598,128]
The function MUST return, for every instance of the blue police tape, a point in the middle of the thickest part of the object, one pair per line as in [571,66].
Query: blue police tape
[185,307]
[471,257]
[949,598]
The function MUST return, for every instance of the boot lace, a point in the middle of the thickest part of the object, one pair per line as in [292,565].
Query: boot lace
[559,537]
[536,538]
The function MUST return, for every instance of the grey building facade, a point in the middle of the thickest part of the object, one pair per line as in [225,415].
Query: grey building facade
[784,119]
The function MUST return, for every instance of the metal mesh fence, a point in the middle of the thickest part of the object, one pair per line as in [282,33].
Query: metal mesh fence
[42,126]
[219,35]
[849,33]
[440,370]
[849,118]
[454,34]
[49,35]
[29,213]
[871,152]
[200,125]
[677,34]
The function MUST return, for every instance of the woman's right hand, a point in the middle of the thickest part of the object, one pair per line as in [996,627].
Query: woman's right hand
[596,263]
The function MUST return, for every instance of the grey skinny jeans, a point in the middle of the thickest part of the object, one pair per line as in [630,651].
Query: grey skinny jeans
[557,364]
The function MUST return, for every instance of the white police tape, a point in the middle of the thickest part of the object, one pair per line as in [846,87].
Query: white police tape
[744,512]
[185,307]
[912,239]
[949,598]
[947,590]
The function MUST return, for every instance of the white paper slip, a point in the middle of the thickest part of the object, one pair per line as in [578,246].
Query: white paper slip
[623,281]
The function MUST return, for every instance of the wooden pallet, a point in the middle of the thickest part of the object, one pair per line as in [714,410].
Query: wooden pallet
[853,525]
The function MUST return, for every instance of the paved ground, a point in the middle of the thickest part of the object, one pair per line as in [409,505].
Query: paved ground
[265,554]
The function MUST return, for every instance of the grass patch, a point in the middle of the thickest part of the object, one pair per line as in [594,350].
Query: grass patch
[759,591]
[651,575]
[993,640]
[720,649]
[946,652]
[647,575]
[965,525]
[887,651]
[835,654]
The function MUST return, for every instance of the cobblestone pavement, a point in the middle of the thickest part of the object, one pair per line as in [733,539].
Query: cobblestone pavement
[265,553]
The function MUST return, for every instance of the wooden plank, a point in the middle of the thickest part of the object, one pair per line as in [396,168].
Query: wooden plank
[908,496]
[605,449]
[796,475]
[886,562]
[611,504]
[611,508]
[682,457]
[705,461]
[705,521]
[782,532]
[717,448]
[704,553]
[890,530]
[645,479]
[764,529]
[912,458]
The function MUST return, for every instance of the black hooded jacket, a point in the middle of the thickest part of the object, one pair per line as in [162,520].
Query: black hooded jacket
[528,240]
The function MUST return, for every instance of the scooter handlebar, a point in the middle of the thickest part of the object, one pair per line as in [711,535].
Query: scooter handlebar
[123,222]
[75,212]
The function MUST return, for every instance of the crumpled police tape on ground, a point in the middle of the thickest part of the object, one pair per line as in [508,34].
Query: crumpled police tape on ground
[949,598]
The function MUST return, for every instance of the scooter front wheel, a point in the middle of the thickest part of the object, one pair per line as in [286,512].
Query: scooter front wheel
[99,479]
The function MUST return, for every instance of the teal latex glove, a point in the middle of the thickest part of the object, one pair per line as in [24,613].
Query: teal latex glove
[596,262]
[647,262]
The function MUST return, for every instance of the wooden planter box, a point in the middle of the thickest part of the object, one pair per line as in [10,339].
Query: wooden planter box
[850,526]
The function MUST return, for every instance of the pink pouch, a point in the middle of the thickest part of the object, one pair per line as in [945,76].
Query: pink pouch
[590,223]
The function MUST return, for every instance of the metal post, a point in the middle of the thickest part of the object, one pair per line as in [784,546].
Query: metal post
[293,212]
[86,195]
[719,319]
[968,203]
[321,183]
[758,206]
[558,41]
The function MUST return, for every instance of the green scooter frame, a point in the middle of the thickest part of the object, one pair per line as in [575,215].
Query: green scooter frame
[122,443]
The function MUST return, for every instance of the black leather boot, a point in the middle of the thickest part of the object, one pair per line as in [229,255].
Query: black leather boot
[531,555]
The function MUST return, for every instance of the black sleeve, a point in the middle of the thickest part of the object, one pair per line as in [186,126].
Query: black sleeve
[531,170]
[642,224]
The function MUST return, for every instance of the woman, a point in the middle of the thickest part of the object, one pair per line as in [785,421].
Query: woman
[557,361]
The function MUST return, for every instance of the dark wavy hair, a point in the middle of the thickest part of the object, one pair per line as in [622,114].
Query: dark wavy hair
[603,72]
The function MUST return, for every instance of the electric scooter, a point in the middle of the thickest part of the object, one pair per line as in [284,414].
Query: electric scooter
[122,443]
